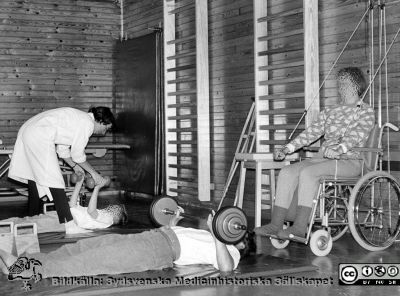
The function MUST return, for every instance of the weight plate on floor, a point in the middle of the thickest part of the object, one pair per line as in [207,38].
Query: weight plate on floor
[157,208]
[230,225]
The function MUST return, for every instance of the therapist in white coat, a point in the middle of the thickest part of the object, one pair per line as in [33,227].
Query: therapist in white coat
[64,132]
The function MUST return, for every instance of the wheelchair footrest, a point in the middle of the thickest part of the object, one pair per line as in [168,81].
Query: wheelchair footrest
[298,239]
[275,237]
[294,238]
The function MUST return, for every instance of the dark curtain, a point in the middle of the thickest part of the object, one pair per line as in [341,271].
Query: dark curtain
[138,90]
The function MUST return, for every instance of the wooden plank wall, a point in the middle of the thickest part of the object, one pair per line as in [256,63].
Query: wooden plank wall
[231,86]
[231,65]
[142,15]
[55,53]
[337,21]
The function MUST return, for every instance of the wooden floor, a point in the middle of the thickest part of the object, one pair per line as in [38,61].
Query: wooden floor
[269,265]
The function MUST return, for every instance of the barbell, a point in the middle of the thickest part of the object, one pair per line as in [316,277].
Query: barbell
[229,223]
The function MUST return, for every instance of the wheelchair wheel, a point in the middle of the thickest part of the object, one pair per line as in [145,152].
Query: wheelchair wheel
[338,231]
[279,243]
[374,211]
[321,242]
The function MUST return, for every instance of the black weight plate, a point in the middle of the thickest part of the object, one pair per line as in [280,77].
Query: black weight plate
[224,225]
[156,210]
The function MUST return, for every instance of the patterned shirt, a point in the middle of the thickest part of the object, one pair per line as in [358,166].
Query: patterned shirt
[347,126]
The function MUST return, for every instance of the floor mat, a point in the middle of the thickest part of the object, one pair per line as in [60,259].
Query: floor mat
[258,266]
[62,238]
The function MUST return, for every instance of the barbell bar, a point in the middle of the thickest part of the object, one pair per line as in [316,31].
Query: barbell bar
[229,223]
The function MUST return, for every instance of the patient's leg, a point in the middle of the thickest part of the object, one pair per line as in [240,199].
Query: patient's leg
[109,254]
[308,188]
[288,180]
[309,177]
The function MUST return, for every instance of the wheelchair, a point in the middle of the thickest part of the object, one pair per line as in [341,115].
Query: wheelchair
[369,206]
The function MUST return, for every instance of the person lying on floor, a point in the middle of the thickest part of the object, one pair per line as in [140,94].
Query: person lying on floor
[124,253]
[92,218]
[85,217]
[344,126]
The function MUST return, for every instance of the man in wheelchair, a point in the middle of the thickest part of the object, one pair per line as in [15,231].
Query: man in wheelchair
[344,127]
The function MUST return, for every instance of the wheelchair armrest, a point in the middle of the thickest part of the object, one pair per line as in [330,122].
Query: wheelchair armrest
[311,149]
[392,126]
[358,149]
[366,149]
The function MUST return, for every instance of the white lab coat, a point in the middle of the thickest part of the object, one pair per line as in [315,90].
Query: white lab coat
[63,131]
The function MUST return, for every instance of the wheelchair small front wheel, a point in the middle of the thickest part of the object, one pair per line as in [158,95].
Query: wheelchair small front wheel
[321,242]
[279,243]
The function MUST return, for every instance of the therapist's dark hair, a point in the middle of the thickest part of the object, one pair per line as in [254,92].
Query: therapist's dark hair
[103,115]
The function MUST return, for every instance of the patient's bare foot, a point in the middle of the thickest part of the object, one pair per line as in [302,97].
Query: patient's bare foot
[72,228]
[6,261]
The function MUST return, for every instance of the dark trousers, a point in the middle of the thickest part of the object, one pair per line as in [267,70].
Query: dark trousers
[35,203]
[112,254]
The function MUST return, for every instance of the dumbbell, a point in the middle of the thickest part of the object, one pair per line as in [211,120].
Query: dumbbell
[89,181]
[75,178]
[229,223]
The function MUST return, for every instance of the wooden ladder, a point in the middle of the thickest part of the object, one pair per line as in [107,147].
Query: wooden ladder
[245,145]
[286,68]
[186,85]
[246,158]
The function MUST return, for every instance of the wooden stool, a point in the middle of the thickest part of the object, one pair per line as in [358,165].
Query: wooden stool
[26,238]
[258,162]
[7,242]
